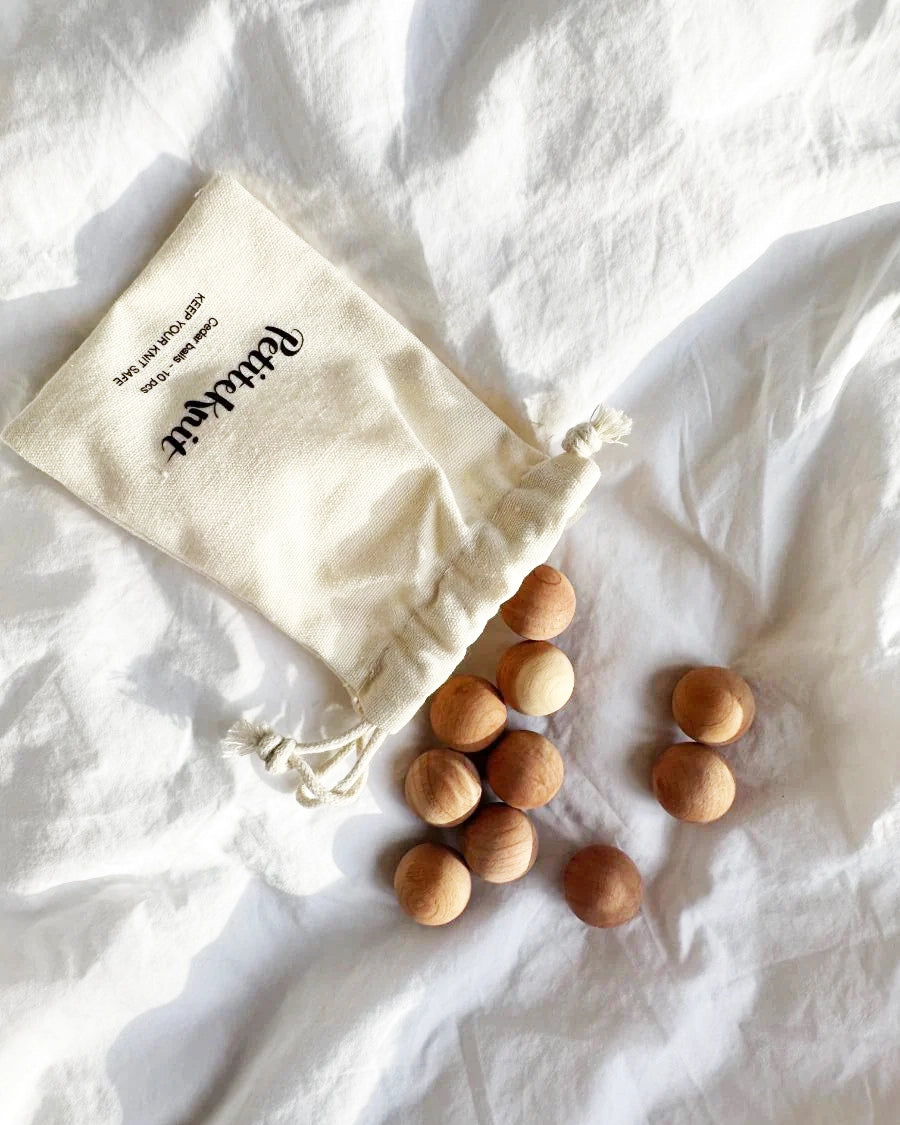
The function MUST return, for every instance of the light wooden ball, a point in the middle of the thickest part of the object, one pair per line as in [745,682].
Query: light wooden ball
[535,677]
[499,844]
[467,713]
[442,787]
[713,705]
[432,884]
[602,886]
[693,782]
[543,607]
[525,769]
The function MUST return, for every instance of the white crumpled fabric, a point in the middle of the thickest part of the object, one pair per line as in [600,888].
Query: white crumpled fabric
[565,202]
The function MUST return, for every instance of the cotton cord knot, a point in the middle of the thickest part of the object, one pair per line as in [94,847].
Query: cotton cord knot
[318,785]
[607,426]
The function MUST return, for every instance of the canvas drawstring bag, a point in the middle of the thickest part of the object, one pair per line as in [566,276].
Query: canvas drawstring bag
[250,411]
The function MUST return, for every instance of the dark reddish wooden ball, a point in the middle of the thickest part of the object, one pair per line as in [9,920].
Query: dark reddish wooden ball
[603,886]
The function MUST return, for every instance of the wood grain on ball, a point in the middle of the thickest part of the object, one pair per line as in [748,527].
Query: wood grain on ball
[432,884]
[602,886]
[499,844]
[543,606]
[713,705]
[693,783]
[467,713]
[525,769]
[535,677]
[442,787]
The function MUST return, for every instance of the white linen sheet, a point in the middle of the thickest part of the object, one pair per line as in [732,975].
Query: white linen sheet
[567,202]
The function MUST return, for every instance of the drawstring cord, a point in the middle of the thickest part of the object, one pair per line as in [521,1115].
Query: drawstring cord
[280,754]
[606,426]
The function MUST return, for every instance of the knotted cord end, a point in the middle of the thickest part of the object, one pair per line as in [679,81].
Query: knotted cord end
[280,754]
[251,738]
[607,426]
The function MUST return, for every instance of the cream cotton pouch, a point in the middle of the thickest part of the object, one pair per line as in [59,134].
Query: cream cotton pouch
[250,411]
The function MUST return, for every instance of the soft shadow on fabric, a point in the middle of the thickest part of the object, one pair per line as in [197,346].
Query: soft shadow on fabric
[40,331]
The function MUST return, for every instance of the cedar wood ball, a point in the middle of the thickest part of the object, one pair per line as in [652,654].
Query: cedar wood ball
[543,606]
[432,884]
[693,783]
[525,769]
[713,705]
[499,844]
[535,677]
[442,787]
[602,886]
[467,713]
